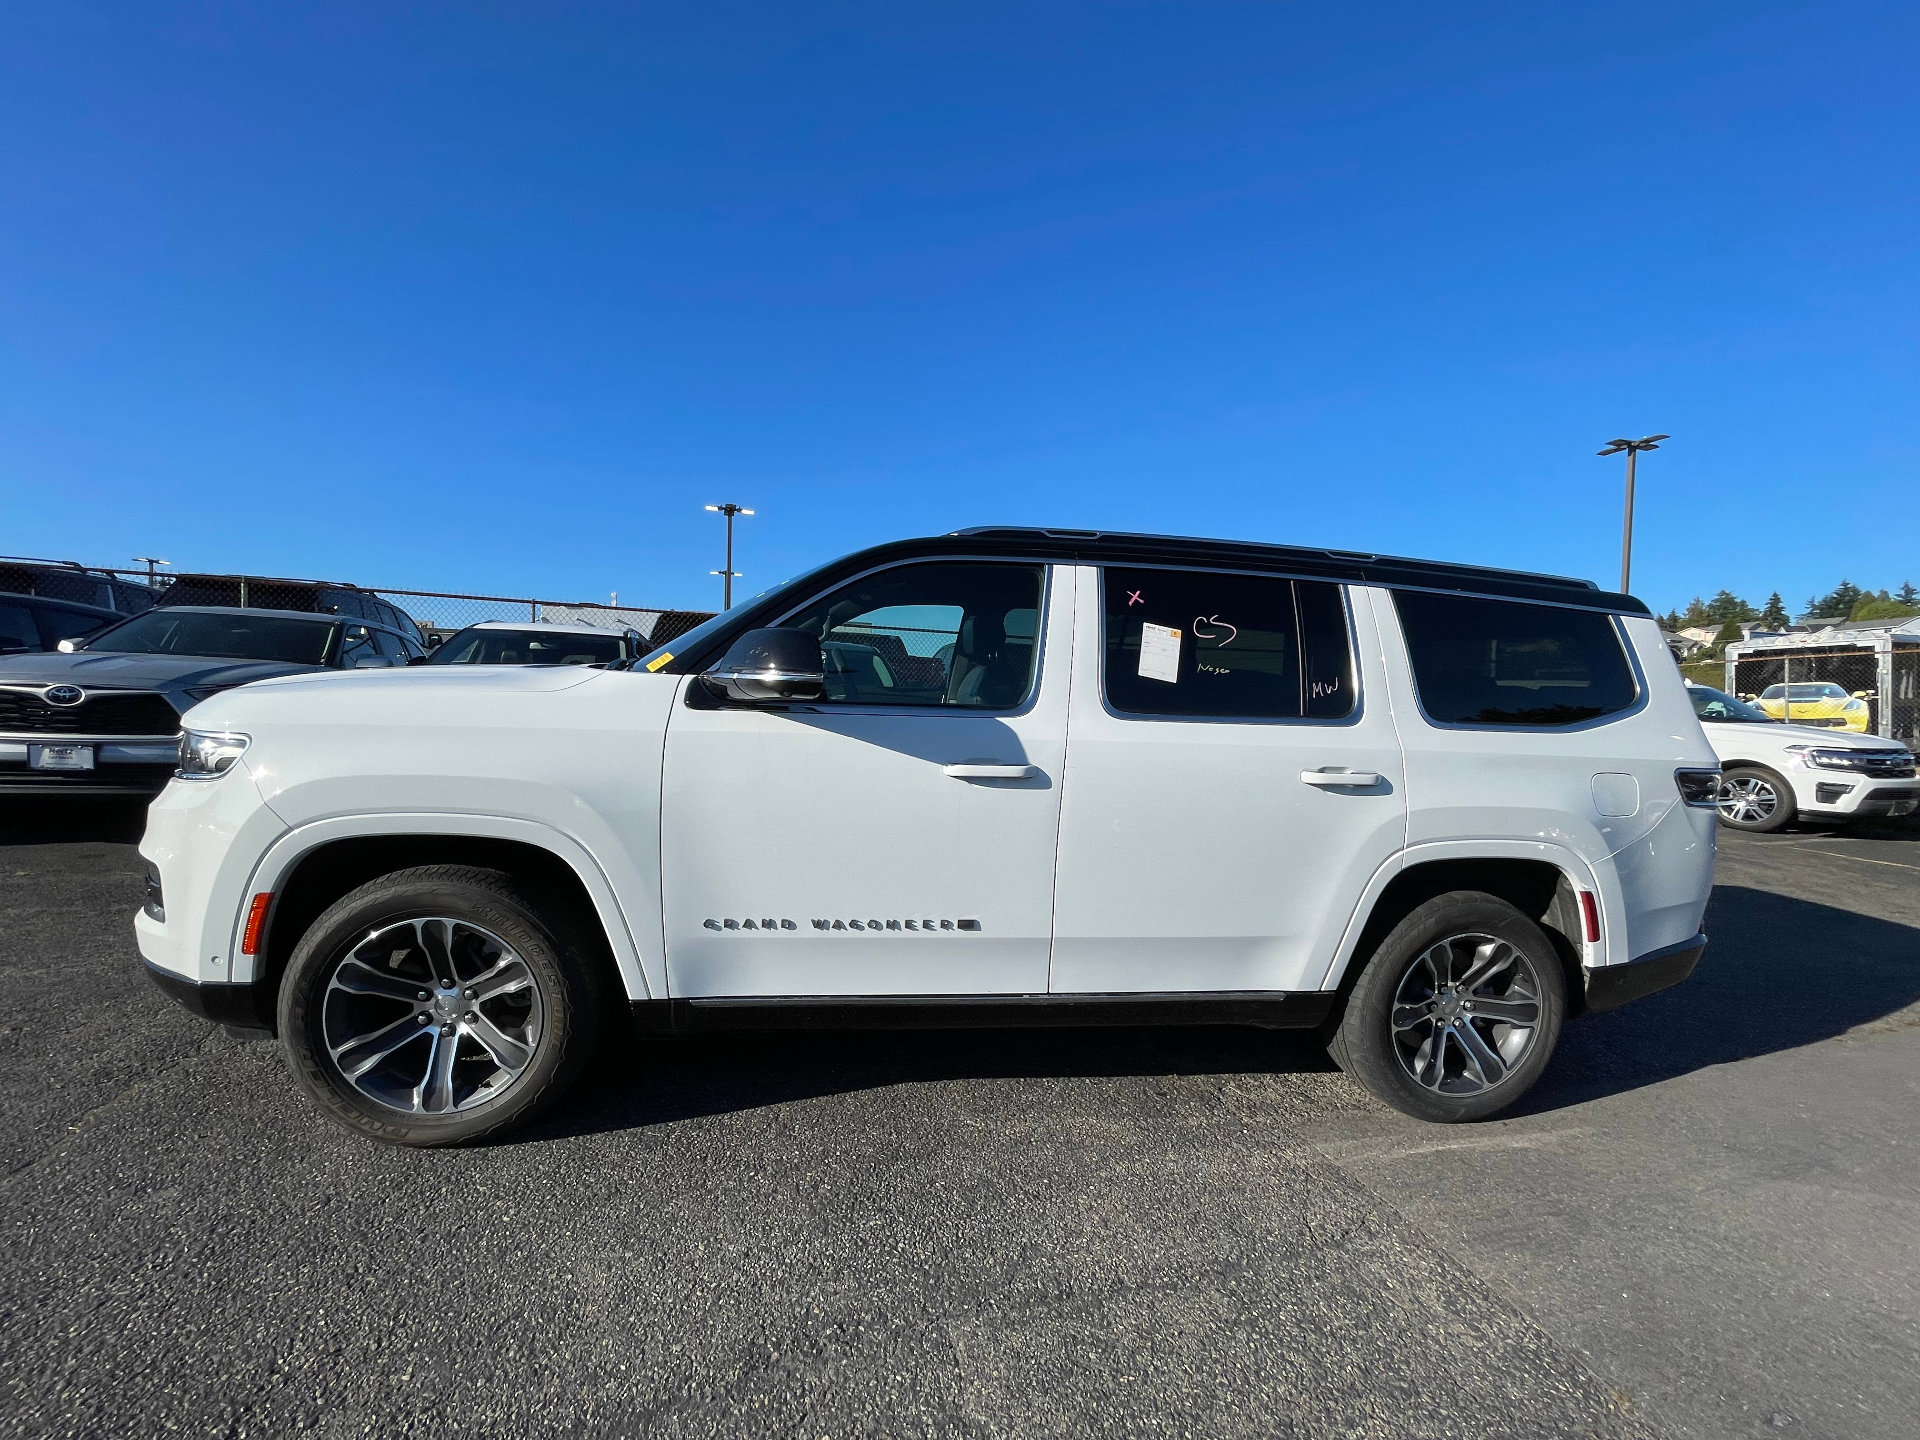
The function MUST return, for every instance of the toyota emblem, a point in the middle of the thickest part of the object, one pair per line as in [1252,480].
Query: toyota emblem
[65,694]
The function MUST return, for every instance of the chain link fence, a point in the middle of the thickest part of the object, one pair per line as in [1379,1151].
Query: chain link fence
[1887,680]
[432,612]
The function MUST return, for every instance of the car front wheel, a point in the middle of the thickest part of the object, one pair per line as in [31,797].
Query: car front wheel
[436,1006]
[1753,799]
[1457,1012]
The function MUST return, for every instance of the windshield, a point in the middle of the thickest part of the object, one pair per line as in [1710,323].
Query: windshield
[230,637]
[693,639]
[1719,707]
[1820,691]
[528,647]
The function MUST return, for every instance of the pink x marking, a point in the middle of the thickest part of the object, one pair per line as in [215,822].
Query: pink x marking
[1133,598]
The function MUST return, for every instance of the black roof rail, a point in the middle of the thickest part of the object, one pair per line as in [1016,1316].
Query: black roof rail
[1121,538]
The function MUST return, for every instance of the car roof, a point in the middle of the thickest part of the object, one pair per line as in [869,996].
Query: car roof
[553,627]
[251,610]
[21,597]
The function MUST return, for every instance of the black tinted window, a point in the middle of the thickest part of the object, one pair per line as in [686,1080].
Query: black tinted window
[17,630]
[1504,662]
[236,636]
[57,624]
[1191,642]
[956,633]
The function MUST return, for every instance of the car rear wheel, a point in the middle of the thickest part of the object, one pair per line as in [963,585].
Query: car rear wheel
[437,1006]
[1457,1012]
[1754,799]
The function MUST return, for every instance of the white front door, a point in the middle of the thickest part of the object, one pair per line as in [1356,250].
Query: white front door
[896,838]
[1234,781]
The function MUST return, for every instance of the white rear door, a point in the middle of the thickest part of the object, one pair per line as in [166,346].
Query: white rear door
[897,838]
[1234,780]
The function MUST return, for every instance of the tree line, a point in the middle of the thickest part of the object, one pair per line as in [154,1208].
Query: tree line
[1846,601]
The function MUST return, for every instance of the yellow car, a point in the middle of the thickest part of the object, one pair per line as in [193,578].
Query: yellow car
[1820,703]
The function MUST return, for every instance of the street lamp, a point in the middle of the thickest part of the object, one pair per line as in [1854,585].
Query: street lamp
[727,575]
[1632,449]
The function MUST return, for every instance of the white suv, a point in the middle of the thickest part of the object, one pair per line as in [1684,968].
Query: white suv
[996,777]
[1775,772]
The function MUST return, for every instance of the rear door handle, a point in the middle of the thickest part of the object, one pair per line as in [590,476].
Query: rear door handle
[978,770]
[1339,779]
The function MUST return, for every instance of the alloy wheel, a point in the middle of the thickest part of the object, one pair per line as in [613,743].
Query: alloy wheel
[1746,799]
[431,1016]
[1465,1014]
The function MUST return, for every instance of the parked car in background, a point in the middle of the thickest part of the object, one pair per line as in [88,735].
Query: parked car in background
[1819,703]
[1773,772]
[71,581]
[537,642]
[996,777]
[31,622]
[102,714]
[316,597]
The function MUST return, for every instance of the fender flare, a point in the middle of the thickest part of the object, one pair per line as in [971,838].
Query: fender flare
[1577,870]
[287,852]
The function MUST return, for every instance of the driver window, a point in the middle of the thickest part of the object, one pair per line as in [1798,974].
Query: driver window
[356,643]
[949,633]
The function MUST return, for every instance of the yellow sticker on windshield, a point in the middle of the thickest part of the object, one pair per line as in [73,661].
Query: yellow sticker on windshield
[656,664]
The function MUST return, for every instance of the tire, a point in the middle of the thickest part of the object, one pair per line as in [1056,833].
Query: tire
[1485,1061]
[387,1049]
[1755,799]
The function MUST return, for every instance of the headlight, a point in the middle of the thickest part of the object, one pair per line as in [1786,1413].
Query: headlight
[1839,759]
[209,754]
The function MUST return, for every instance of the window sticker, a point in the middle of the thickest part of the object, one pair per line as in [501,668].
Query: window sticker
[1159,653]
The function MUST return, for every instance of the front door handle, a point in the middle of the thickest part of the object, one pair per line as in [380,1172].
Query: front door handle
[1339,779]
[980,770]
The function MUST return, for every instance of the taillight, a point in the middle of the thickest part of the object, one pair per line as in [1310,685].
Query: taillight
[256,922]
[1590,915]
[1699,788]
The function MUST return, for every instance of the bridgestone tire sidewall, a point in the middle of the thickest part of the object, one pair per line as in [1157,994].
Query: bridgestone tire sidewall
[487,899]
[1363,1043]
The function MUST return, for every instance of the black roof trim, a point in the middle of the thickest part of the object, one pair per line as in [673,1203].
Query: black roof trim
[1349,563]
[1095,547]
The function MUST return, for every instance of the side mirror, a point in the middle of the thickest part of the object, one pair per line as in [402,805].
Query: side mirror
[66,647]
[769,665]
[434,642]
[1862,694]
[416,659]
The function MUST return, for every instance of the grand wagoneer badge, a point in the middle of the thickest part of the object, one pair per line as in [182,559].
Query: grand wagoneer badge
[916,925]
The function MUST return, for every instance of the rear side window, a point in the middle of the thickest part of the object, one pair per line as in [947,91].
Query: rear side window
[1205,644]
[1505,662]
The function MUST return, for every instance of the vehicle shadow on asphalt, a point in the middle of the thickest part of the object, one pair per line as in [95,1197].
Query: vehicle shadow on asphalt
[1778,973]
[653,1080]
[71,819]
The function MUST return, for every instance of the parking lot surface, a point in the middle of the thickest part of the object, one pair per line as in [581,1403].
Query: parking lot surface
[1701,1223]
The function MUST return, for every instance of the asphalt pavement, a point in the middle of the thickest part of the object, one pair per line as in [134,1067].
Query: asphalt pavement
[1699,1224]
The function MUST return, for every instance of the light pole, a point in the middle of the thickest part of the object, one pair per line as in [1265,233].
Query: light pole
[150,561]
[1633,449]
[727,575]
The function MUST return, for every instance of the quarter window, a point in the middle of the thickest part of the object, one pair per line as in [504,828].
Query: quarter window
[1506,662]
[1201,643]
[955,633]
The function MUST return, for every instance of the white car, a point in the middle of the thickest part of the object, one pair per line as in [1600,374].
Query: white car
[537,642]
[1773,772]
[996,777]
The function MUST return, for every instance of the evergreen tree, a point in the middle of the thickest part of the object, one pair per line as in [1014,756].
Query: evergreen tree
[1908,595]
[1670,622]
[1775,616]
[1730,634]
[1839,603]
[1727,606]
[1696,613]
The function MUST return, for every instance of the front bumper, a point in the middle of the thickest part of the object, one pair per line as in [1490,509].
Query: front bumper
[227,1004]
[1611,986]
[123,765]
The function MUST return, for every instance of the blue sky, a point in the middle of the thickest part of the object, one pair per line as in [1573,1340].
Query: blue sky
[496,298]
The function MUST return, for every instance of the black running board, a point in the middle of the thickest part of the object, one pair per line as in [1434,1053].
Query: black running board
[1271,1009]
